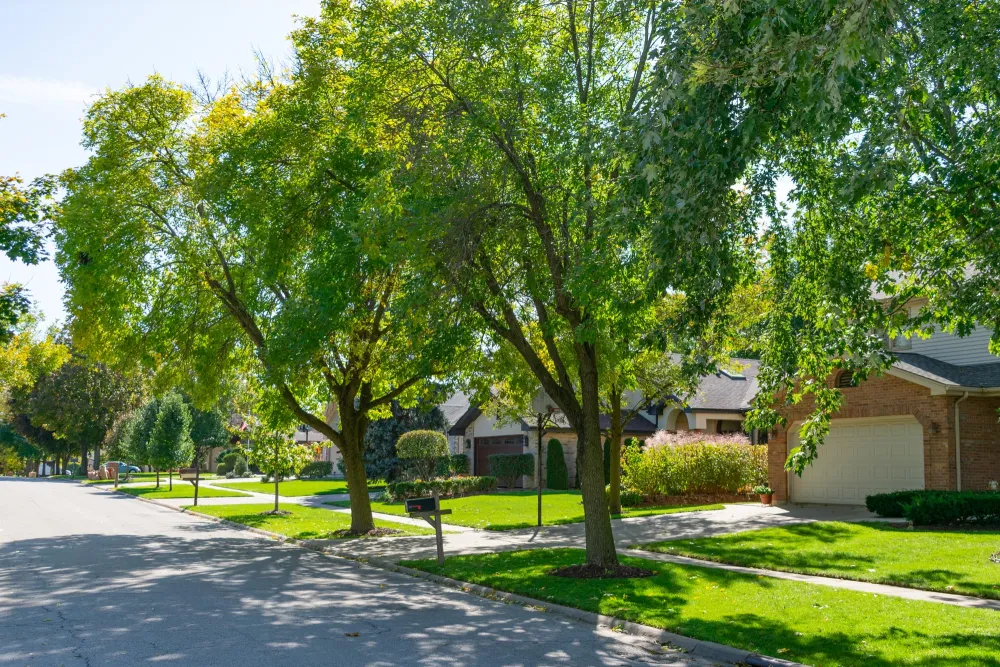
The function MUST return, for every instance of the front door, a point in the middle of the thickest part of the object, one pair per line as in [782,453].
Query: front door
[502,444]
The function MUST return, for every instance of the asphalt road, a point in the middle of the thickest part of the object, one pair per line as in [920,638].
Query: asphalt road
[93,578]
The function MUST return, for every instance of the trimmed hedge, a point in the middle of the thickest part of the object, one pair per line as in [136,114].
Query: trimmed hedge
[891,504]
[694,469]
[938,508]
[316,470]
[556,472]
[448,488]
[508,467]
[459,464]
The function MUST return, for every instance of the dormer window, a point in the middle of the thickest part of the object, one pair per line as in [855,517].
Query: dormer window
[846,380]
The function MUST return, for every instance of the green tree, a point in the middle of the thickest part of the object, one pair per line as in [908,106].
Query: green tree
[170,444]
[883,115]
[381,460]
[80,401]
[275,223]
[521,159]
[137,435]
[277,456]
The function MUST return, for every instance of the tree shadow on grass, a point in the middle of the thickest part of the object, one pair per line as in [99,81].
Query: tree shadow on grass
[675,598]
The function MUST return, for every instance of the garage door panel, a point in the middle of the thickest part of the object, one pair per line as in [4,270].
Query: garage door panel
[862,457]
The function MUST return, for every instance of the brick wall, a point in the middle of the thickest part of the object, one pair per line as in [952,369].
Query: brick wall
[980,434]
[891,396]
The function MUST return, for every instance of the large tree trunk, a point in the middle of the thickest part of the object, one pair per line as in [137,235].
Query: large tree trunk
[590,460]
[615,443]
[84,463]
[353,427]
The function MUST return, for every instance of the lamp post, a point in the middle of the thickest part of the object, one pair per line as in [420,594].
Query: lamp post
[542,406]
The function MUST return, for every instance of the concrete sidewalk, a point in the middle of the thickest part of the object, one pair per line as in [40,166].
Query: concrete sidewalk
[734,518]
[832,582]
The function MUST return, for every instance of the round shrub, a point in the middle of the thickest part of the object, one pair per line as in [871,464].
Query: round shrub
[316,470]
[630,498]
[556,473]
[422,449]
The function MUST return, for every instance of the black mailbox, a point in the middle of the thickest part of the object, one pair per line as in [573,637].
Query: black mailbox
[420,505]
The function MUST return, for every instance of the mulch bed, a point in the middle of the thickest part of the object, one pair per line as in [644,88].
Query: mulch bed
[695,499]
[377,532]
[596,572]
[278,513]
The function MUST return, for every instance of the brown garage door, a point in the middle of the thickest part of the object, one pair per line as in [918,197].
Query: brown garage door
[486,447]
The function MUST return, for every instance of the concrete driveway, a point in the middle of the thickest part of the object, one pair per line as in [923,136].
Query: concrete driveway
[92,578]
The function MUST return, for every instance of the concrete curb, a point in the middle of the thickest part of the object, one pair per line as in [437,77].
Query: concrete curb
[705,649]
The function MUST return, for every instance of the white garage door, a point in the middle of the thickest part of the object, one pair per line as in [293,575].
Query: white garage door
[861,457]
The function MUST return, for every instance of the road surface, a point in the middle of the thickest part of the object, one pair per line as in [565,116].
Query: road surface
[90,578]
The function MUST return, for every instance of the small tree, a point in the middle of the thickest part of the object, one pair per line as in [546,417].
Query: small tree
[277,455]
[138,431]
[422,449]
[170,442]
[556,473]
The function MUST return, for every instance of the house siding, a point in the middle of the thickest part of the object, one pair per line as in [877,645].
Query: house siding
[968,351]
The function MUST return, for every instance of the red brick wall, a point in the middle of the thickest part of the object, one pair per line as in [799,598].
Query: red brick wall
[889,396]
[980,434]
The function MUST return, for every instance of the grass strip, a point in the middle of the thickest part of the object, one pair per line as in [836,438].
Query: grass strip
[806,623]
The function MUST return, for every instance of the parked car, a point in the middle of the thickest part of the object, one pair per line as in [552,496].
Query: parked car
[124,468]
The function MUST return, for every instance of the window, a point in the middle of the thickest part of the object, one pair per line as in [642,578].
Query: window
[846,380]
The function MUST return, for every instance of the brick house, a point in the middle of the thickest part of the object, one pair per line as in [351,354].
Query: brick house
[929,423]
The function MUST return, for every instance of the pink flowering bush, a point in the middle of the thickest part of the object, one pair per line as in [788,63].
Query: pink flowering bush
[665,438]
[694,463]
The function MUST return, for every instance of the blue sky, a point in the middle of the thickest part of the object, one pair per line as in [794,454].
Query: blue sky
[55,55]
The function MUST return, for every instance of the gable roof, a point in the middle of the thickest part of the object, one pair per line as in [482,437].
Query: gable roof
[454,407]
[727,391]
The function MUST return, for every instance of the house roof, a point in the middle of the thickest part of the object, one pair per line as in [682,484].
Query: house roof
[728,391]
[637,424]
[455,407]
[950,375]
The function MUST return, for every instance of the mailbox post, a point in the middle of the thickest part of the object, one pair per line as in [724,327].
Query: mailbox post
[191,475]
[429,509]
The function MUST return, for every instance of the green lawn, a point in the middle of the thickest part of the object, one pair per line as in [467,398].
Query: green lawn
[519,509]
[815,625]
[300,487]
[181,490]
[952,561]
[143,477]
[305,523]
